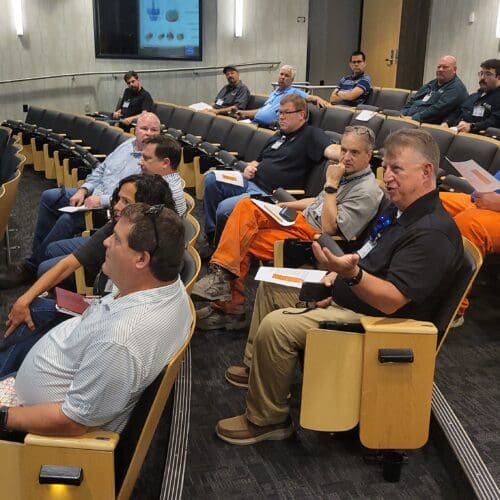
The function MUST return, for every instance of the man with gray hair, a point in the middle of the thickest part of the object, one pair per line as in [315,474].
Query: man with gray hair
[434,101]
[268,113]
[405,267]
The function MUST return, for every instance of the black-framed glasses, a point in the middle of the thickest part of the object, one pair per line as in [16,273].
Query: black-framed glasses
[153,213]
[289,112]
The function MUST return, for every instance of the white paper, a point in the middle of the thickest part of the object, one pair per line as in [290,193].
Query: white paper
[234,177]
[365,115]
[72,210]
[200,106]
[479,178]
[273,211]
[287,276]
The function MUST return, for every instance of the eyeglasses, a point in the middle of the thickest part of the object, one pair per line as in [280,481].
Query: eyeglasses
[289,112]
[357,62]
[153,213]
[485,73]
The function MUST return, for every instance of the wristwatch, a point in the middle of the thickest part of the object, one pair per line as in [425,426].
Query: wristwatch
[4,415]
[330,189]
[354,280]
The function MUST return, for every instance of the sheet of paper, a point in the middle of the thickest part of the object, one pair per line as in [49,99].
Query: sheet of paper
[479,178]
[287,276]
[72,210]
[200,106]
[366,115]
[229,177]
[273,211]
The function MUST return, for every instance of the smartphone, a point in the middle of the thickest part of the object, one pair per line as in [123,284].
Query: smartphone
[314,292]
[289,214]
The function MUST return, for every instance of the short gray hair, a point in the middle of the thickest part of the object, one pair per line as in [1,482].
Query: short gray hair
[366,134]
[290,69]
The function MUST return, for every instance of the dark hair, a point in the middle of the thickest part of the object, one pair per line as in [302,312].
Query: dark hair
[358,53]
[166,252]
[166,147]
[150,188]
[130,74]
[492,64]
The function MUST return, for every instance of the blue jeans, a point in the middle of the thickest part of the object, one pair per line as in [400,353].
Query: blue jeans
[13,349]
[220,198]
[53,225]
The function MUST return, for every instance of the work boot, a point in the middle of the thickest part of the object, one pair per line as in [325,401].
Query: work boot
[210,318]
[215,285]
[238,376]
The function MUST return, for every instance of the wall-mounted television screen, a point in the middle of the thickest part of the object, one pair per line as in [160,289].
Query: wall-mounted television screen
[148,29]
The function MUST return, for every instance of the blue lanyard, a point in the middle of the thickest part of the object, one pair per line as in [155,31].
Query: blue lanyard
[383,222]
[344,181]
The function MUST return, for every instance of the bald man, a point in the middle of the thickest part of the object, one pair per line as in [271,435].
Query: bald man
[438,98]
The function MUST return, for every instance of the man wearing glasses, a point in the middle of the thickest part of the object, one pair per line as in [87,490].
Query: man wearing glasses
[345,206]
[355,88]
[285,161]
[89,371]
[482,108]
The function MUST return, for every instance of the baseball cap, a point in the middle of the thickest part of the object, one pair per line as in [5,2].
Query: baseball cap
[229,68]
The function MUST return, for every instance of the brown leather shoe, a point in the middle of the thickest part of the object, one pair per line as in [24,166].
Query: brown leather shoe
[16,275]
[238,376]
[239,430]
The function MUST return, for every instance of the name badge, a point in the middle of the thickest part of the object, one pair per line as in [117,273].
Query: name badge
[126,104]
[427,97]
[366,249]
[478,111]
[278,143]
[219,102]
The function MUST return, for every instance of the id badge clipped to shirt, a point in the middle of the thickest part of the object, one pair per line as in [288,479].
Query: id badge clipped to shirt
[126,104]
[278,143]
[478,111]
[219,102]
[366,249]
[426,97]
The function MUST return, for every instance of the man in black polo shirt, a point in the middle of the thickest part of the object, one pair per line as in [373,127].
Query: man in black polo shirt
[134,101]
[403,269]
[285,161]
[233,96]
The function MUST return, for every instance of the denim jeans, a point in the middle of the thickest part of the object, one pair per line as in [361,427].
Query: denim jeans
[220,198]
[13,349]
[53,225]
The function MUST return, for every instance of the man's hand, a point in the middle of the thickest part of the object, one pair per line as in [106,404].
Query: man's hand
[93,201]
[463,126]
[487,201]
[344,266]
[240,114]
[117,114]
[78,198]
[334,172]
[20,313]
[128,121]
[250,170]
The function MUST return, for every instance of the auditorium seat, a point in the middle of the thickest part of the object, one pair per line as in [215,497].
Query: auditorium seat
[392,124]
[374,123]
[444,137]
[390,98]
[6,203]
[336,119]
[164,112]
[314,114]
[256,101]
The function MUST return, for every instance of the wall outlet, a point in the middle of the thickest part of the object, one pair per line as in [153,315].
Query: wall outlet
[87,107]
[25,108]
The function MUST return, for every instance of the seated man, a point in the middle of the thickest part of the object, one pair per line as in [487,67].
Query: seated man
[406,267]
[28,319]
[89,371]
[482,108]
[435,100]
[268,114]
[53,225]
[284,162]
[347,204]
[233,96]
[355,88]
[134,101]
[478,218]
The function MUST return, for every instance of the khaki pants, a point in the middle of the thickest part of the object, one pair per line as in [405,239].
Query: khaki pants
[274,340]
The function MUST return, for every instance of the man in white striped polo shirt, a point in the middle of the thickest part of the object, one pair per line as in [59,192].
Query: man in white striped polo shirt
[89,371]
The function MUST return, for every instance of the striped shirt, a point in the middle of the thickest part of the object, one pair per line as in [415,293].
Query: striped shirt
[98,365]
[175,183]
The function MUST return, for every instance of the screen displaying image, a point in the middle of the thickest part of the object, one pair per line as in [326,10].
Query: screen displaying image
[148,29]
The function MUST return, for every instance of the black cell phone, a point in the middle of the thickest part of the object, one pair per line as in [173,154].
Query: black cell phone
[314,292]
[289,214]
[343,327]
[326,242]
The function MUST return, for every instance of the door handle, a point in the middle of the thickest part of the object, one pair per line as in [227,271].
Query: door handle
[390,60]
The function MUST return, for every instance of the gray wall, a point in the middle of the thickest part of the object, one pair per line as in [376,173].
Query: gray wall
[59,39]
[451,33]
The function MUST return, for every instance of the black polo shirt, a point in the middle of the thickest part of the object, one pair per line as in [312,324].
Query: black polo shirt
[289,164]
[134,103]
[238,96]
[418,254]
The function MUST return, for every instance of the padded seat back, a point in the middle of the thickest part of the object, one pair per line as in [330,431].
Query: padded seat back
[495,163]
[471,147]
[108,141]
[316,179]
[493,132]
[444,138]
[64,123]
[164,112]
[256,145]
[336,119]
[374,123]
[92,134]
[392,124]
[256,101]
[314,114]
[219,130]
[238,139]
[4,138]
[200,124]
[372,97]
[334,136]
[49,119]
[78,128]
[181,118]
[391,98]
[35,115]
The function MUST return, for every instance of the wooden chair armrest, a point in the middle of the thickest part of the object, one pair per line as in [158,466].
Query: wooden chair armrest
[373,324]
[77,141]
[100,156]
[93,440]
[296,192]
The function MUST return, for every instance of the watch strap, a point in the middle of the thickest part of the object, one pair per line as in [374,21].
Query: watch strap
[354,280]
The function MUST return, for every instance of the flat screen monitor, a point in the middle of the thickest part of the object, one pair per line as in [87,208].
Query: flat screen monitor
[148,29]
